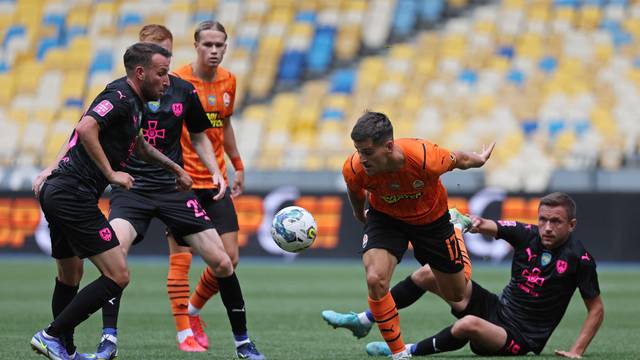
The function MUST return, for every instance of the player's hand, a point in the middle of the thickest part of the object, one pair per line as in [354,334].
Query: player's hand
[39,180]
[183,181]
[476,222]
[121,179]
[568,354]
[238,183]
[485,154]
[218,180]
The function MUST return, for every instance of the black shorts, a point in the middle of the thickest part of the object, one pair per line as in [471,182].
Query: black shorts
[222,212]
[180,211]
[485,305]
[435,244]
[77,226]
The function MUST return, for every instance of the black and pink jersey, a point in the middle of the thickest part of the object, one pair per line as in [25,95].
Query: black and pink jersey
[542,282]
[162,128]
[118,112]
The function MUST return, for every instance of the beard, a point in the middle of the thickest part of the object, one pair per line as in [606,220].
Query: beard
[148,92]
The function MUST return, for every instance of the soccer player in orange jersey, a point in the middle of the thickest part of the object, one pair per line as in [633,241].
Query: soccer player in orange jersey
[216,88]
[407,203]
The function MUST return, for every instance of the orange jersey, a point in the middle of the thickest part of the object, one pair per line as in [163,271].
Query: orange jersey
[217,98]
[413,194]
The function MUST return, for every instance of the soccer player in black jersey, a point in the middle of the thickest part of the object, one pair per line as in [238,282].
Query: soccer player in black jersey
[107,134]
[548,265]
[154,194]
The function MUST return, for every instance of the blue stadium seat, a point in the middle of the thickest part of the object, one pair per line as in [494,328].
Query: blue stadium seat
[548,64]
[246,42]
[102,61]
[74,102]
[555,127]
[571,3]
[516,77]
[291,66]
[321,52]
[431,11]
[405,18]
[72,33]
[45,45]
[331,114]
[54,19]
[13,31]
[130,19]
[506,51]
[306,16]
[468,76]
[4,67]
[529,126]
[581,127]
[342,81]
[201,16]
[594,2]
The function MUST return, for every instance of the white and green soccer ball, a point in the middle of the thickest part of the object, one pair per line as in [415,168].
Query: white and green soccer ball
[294,229]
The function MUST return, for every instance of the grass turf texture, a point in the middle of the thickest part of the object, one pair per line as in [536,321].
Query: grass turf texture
[283,304]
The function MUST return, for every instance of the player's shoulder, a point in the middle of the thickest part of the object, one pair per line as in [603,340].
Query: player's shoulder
[180,84]
[224,74]
[352,167]
[184,72]
[116,94]
[577,249]
[415,150]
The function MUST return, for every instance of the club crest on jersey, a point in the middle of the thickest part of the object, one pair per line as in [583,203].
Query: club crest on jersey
[418,184]
[226,99]
[545,259]
[177,109]
[153,105]
[103,108]
[365,240]
[561,266]
[211,99]
[394,186]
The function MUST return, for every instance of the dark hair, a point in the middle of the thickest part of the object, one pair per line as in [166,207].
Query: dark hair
[560,199]
[372,125]
[154,33]
[140,54]
[209,25]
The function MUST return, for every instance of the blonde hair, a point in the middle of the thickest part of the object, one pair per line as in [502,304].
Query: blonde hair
[154,33]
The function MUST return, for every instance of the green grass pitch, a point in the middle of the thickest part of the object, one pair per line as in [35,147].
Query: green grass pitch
[283,304]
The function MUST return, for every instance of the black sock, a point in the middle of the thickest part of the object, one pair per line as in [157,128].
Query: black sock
[63,294]
[91,298]
[406,292]
[110,311]
[441,342]
[231,296]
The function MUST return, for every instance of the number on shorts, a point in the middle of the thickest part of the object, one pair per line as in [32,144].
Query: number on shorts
[454,248]
[197,210]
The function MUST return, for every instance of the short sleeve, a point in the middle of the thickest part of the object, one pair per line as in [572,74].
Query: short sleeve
[515,233]
[588,277]
[108,109]
[438,160]
[196,119]
[350,175]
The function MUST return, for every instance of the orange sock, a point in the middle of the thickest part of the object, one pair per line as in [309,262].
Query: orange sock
[386,315]
[178,288]
[207,287]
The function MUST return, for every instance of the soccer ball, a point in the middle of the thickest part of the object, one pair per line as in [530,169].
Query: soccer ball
[293,229]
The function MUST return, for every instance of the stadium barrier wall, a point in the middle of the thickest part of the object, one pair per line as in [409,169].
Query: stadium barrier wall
[606,223]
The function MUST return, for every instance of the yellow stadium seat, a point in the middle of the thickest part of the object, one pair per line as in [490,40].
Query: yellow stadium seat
[8,88]
[590,17]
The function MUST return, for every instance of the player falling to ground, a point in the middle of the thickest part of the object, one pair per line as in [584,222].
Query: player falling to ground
[407,291]
[407,202]
[105,137]
[548,265]
[216,88]
[154,195]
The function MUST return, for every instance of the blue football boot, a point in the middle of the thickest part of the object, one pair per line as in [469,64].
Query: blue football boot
[348,321]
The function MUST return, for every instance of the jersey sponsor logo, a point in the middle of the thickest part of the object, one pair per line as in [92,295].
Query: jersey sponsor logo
[152,133]
[545,259]
[226,99]
[214,120]
[533,278]
[103,108]
[211,99]
[507,223]
[418,184]
[561,266]
[177,109]
[365,240]
[392,199]
[105,234]
[153,105]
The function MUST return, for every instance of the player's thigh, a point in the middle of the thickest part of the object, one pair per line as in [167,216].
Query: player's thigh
[70,270]
[482,334]
[125,232]
[382,232]
[135,207]
[174,247]
[183,215]
[78,222]
[222,212]
[113,264]
[209,246]
[479,302]
[451,286]
[436,244]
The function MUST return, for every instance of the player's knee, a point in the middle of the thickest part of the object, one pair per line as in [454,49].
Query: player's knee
[119,276]
[70,272]
[465,327]
[223,268]
[377,283]
[423,278]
